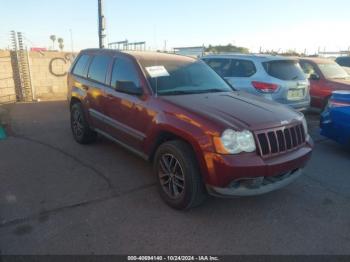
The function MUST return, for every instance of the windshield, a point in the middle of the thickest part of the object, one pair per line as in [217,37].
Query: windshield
[178,77]
[284,70]
[333,71]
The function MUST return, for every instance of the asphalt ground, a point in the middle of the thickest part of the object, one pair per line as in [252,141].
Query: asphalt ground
[58,197]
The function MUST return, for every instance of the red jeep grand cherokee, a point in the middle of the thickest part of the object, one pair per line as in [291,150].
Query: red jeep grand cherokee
[202,136]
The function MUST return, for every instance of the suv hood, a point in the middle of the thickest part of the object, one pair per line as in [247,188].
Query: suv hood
[340,83]
[237,110]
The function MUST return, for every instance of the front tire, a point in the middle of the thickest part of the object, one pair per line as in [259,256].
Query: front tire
[81,130]
[179,180]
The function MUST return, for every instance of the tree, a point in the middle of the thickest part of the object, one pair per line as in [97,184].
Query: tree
[227,49]
[61,43]
[53,39]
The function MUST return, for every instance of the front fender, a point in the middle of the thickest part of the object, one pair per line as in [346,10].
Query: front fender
[186,129]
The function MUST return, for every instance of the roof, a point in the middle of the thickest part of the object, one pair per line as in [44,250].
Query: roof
[156,57]
[144,57]
[317,60]
[260,57]
[189,47]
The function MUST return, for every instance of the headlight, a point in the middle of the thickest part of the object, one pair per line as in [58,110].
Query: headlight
[233,142]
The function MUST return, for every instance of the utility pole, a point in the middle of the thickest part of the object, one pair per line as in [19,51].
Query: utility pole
[71,40]
[101,25]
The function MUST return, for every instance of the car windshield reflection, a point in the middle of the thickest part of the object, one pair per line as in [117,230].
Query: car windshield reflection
[181,78]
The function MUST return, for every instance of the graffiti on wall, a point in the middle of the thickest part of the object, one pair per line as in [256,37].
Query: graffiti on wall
[61,62]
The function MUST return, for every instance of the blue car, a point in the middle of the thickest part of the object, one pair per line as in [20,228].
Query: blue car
[335,120]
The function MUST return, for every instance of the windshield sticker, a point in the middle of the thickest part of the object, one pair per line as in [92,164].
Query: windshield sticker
[157,71]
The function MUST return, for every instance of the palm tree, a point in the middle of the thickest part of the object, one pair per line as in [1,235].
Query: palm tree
[53,39]
[61,44]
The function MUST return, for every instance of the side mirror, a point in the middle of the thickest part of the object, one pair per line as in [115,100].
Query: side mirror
[128,87]
[314,77]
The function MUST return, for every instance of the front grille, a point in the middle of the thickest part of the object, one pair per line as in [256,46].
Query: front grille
[280,140]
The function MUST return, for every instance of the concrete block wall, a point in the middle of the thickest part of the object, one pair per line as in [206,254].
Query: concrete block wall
[49,74]
[7,84]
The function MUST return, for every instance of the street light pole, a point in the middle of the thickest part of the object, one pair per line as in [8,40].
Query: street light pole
[101,25]
[71,40]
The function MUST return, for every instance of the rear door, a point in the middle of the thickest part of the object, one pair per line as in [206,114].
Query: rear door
[220,65]
[95,88]
[241,73]
[237,72]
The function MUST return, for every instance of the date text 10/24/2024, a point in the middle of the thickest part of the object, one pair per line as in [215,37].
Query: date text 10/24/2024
[173,258]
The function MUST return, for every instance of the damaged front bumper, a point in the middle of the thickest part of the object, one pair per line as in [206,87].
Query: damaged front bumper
[255,186]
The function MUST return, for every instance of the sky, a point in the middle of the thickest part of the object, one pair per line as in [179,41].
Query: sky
[271,24]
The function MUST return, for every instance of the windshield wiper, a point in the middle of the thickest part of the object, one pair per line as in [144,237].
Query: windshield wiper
[188,92]
[173,93]
[213,90]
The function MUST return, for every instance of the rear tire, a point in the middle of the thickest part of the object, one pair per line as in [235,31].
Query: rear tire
[81,130]
[179,181]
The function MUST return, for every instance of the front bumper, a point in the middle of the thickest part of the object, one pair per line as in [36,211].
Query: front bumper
[224,171]
[256,186]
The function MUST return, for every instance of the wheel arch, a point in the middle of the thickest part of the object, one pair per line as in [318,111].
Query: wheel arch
[74,100]
[165,135]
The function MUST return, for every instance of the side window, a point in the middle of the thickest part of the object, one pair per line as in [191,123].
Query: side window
[98,68]
[220,66]
[346,62]
[124,71]
[80,66]
[242,68]
[340,61]
[307,68]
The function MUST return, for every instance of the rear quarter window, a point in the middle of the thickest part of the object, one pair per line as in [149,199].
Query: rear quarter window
[80,66]
[287,70]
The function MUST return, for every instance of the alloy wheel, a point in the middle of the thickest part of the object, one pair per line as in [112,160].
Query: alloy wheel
[171,176]
[77,123]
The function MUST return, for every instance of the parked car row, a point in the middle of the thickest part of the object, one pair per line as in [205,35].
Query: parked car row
[202,135]
[326,76]
[276,78]
[294,82]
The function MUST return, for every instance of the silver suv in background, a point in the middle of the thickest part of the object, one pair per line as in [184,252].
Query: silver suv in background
[276,78]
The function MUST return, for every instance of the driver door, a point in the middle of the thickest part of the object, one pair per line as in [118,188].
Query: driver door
[125,112]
